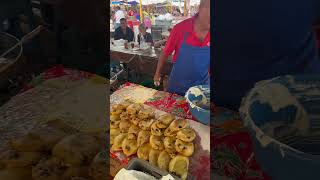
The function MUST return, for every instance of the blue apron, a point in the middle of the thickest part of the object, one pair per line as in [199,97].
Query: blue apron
[190,69]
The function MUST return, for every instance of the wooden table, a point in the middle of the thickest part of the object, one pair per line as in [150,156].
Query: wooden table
[144,61]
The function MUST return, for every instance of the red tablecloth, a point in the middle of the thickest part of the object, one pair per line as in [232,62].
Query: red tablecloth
[167,102]
[55,72]
[232,149]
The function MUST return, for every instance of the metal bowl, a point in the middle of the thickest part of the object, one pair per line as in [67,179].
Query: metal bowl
[200,111]
[282,149]
[9,66]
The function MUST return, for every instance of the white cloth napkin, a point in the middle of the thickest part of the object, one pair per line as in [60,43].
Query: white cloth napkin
[124,174]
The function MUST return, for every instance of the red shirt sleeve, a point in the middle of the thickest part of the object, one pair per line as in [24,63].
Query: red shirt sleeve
[172,42]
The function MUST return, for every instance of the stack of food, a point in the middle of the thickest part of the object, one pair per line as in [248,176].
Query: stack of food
[54,154]
[164,141]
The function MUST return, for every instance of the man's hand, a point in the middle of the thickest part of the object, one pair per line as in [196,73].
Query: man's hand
[157,76]
[157,79]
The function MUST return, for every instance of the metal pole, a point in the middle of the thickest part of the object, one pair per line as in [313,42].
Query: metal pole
[141,13]
[185,8]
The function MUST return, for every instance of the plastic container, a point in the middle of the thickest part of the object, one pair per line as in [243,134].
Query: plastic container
[164,24]
[202,114]
[146,167]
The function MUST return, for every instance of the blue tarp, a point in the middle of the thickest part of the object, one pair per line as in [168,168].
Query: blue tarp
[122,2]
[133,3]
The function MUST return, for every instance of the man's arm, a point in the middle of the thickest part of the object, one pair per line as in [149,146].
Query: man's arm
[161,62]
[170,47]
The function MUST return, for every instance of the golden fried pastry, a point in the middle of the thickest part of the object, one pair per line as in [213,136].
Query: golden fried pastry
[143,137]
[143,151]
[77,149]
[47,169]
[134,120]
[164,160]
[129,147]
[165,120]
[38,140]
[179,165]
[82,171]
[132,115]
[153,156]
[14,159]
[114,124]
[146,124]
[169,144]
[122,106]
[170,133]
[184,148]
[117,143]
[16,174]
[114,117]
[98,170]
[114,107]
[116,112]
[155,130]
[134,129]
[131,136]
[133,108]
[178,124]
[124,116]
[114,133]
[186,135]
[146,113]
[126,103]
[156,142]
[28,143]
[124,126]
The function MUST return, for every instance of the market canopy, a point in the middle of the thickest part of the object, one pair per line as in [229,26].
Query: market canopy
[148,2]
[132,2]
[192,2]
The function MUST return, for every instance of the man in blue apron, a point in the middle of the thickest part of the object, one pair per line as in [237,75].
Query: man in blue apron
[190,42]
[259,40]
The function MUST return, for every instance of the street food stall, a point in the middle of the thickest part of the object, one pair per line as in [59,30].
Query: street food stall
[51,118]
[148,125]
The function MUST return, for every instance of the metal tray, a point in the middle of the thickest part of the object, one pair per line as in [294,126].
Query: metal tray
[146,167]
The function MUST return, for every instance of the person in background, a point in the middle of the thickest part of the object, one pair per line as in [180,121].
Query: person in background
[190,42]
[119,14]
[130,12]
[124,32]
[146,36]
